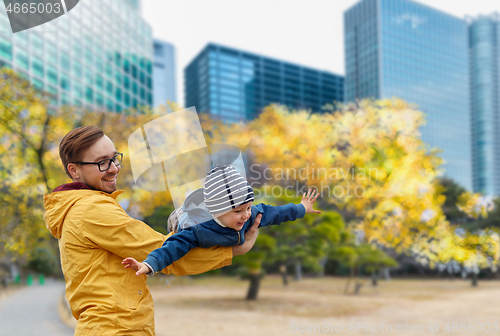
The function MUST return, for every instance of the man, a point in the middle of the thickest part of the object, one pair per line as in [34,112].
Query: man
[95,234]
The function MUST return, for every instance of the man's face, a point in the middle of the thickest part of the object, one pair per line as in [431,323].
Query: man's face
[90,175]
[235,218]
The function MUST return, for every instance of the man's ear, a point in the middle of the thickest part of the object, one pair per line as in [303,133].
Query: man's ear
[73,171]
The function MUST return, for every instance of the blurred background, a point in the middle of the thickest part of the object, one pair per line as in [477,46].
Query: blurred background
[389,108]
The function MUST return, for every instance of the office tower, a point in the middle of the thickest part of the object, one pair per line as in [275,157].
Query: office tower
[99,55]
[164,88]
[400,48]
[234,85]
[136,4]
[484,44]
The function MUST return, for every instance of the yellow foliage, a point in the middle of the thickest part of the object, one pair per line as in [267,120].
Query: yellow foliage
[30,165]
[372,146]
[475,205]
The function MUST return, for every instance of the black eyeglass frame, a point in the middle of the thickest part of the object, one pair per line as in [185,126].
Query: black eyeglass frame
[103,161]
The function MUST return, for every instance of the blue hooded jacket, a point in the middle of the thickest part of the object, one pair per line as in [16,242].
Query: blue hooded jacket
[210,233]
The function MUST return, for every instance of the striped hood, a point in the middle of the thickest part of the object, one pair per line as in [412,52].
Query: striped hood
[225,189]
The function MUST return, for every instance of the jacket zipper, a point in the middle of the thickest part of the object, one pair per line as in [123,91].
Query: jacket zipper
[238,238]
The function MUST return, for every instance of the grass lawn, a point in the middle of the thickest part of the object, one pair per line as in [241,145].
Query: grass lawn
[216,306]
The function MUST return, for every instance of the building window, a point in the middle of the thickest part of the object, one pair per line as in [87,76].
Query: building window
[5,48]
[22,60]
[65,82]
[89,95]
[37,67]
[52,75]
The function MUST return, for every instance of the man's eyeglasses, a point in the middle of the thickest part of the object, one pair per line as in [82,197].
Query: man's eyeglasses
[105,164]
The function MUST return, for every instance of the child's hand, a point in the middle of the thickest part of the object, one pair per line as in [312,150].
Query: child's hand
[140,268]
[308,201]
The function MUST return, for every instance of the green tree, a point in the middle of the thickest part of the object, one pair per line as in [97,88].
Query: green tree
[158,219]
[452,191]
[361,258]
[253,260]
[306,241]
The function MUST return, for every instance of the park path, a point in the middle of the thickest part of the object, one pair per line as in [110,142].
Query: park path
[33,311]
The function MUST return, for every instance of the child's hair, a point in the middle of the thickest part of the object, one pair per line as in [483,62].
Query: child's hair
[225,189]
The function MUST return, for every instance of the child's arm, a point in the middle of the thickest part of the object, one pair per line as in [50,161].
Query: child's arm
[250,237]
[174,248]
[275,215]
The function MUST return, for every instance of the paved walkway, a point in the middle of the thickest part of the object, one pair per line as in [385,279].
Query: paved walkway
[33,312]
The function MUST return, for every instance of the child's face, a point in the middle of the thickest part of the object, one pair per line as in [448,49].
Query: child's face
[235,218]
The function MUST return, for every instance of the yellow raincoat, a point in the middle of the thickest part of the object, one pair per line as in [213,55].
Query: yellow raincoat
[95,234]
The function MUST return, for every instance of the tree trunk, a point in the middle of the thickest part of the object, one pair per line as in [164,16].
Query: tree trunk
[358,284]
[41,152]
[253,290]
[43,171]
[14,271]
[357,287]
[474,279]
[374,278]
[322,263]
[283,275]
[351,275]
[387,274]
[298,271]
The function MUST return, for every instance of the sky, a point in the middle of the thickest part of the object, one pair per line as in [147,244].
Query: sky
[305,32]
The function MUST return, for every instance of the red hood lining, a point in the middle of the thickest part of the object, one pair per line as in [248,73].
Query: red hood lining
[71,186]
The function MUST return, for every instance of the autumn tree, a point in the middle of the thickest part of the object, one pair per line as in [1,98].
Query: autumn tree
[30,164]
[369,160]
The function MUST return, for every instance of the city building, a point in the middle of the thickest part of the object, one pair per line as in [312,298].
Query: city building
[484,43]
[164,88]
[98,55]
[234,85]
[400,48]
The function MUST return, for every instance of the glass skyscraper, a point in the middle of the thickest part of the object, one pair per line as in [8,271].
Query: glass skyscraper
[399,48]
[164,87]
[98,55]
[234,85]
[484,43]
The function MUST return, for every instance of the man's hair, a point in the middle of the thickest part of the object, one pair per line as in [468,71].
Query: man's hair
[74,144]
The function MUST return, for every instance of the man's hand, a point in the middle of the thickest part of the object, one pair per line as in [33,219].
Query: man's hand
[250,237]
[140,268]
[308,201]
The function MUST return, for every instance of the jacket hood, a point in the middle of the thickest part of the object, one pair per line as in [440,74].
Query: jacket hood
[194,210]
[72,186]
[58,203]
[196,198]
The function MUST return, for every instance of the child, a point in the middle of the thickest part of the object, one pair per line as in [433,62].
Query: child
[228,198]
